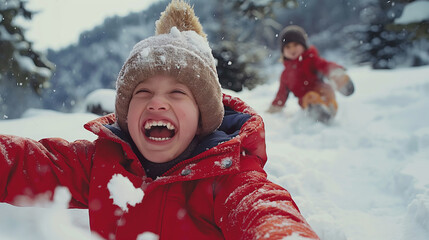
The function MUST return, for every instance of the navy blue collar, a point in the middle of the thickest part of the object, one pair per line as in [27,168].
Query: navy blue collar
[230,128]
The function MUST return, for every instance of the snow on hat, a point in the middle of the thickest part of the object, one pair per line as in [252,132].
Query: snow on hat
[179,49]
[293,33]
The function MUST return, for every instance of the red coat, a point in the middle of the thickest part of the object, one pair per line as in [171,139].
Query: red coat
[302,75]
[220,193]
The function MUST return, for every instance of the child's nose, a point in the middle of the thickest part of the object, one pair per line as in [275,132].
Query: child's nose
[158,104]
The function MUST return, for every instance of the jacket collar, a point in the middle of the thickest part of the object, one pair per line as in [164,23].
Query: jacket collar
[241,133]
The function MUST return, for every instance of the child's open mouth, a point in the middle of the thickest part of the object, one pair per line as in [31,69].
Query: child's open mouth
[159,130]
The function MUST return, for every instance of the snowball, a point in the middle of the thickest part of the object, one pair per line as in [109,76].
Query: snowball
[123,192]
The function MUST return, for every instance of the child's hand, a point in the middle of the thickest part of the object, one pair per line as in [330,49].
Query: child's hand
[274,109]
[343,83]
[348,88]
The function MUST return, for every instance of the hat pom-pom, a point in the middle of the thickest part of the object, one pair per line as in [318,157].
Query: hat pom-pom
[181,15]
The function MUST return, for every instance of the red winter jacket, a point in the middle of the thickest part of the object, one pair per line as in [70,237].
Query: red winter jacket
[302,75]
[222,193]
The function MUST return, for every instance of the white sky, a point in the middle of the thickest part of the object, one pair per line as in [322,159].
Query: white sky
[60,22]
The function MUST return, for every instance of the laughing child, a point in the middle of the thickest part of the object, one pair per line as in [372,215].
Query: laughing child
[195,155]
[303,75]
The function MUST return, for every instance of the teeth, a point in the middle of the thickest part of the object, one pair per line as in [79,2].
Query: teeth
[170,126]
[159,139]
[151,124]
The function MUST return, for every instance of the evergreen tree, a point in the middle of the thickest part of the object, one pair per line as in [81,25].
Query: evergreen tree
[18,61]
[416,29]
[381,42]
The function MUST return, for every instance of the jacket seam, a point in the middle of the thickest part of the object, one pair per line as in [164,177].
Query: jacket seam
[162,210]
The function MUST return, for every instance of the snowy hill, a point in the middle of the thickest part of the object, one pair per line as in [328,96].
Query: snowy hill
[362,177]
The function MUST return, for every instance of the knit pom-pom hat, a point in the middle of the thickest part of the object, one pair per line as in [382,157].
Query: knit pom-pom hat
[293,33]
[180,50]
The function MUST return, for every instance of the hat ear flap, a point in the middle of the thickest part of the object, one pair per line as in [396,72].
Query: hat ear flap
[181,15]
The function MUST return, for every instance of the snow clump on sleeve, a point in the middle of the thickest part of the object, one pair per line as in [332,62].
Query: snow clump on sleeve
[148,236]
[123,192]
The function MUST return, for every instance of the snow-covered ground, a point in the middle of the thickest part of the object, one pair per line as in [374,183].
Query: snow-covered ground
[365,176]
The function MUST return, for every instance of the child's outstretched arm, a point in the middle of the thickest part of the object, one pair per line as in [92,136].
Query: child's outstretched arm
[337,74]
[31,170]
[248,206]
[281,97]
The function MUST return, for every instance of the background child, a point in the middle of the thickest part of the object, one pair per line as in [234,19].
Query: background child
[303,76]
[193,156]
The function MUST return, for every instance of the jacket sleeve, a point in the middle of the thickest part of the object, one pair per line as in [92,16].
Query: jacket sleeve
[326,67]
[282,93]
[248,206]
[31,170]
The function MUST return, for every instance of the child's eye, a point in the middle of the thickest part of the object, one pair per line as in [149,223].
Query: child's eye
[140,91]
[179,91]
